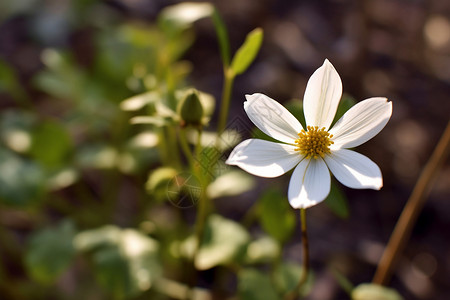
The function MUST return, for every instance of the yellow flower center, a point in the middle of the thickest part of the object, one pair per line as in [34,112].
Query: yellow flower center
[314,143]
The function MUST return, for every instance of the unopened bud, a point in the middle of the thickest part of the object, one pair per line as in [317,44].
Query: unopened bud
[190,109]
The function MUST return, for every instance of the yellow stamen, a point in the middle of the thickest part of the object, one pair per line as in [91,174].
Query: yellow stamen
[314,142]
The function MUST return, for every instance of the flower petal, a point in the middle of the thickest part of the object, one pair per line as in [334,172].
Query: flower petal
[354,170]
[272,118]
[310,183]
[361,122]
[322,95]
[264,158]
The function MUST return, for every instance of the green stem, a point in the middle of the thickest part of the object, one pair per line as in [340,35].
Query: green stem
[305,270]
[225,106]
[411,211]
[198,146]
[186,151]
[202,214]
[173,147]
[198,152]
[162,147]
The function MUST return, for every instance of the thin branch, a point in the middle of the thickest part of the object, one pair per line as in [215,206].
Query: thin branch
[411,211]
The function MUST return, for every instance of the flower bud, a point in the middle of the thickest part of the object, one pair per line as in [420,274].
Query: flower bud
[190,109]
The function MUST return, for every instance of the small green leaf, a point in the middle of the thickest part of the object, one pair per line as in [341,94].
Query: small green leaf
[139,101]
[254,285]
[263,250]
[287,276]
[276,216]
[230,184]
[98,156]
[183,15]
[151,120]
[90,240]
[112,272]
[222,36]
[50,252]
[125,261]
[247,52]
[15,129]
[229,138]
[158,181]
[223,241]
[337,201]
[367,291]
[51,144]
[21,181]
[9,82]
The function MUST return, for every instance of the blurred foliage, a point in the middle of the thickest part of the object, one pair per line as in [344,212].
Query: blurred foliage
[368,291]
[50,252]
[125,261]
[276,216]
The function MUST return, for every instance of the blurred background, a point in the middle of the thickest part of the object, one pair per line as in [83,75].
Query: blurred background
[71,162]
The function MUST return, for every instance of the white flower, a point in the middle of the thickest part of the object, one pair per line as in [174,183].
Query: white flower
[317,150]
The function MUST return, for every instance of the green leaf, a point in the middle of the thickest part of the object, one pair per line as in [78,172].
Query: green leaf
[21,181]
[287,276]
[222,36]
[15,128]
[263,250]
[229,138]
[62,178]
[247,52]
[9,82]
[90,240]
[139,101]
[367,291]
[254,285]
[277,218]
[62,78]
[151,120]
[112,272]
[125,261]
[98,156]
[50,252]
[51,144]
[181,16]
[230,184]
[158,181]
[337,202]
[223,241]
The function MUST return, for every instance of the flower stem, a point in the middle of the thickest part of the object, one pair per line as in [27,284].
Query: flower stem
[172,146]
[185,148]
[411,211]
[202,208]
[294,294]
[225,106]
[202,215]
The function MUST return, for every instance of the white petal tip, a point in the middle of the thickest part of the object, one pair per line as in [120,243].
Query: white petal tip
[378,186]
[250,97]
[302,203]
